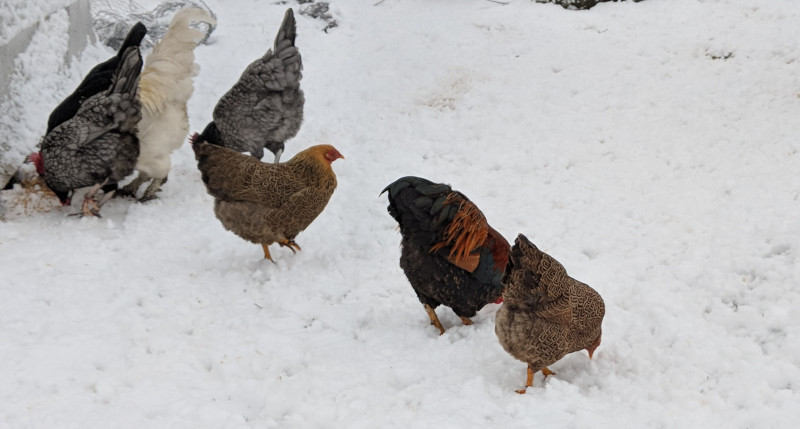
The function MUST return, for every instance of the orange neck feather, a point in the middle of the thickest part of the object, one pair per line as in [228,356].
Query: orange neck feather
[466,232]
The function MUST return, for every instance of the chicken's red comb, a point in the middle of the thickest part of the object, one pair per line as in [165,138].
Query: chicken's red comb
[36,159]
[193,139]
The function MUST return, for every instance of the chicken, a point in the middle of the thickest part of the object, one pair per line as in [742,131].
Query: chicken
[164,88]
[98,146]
[546,313]
[449,252]
[265,107]
[97,80]
[266,203]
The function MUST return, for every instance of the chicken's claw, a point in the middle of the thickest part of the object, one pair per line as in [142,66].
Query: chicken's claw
[528,382]
[290,244]
[90,207]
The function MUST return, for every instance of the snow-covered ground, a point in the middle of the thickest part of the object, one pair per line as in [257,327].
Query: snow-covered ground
[651,147]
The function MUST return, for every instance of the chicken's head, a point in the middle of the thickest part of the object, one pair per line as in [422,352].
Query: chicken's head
[331,154]
[594,345]
[64,197]
[38,162]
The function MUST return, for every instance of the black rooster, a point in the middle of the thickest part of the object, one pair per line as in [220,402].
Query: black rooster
[449,253]
[265,107]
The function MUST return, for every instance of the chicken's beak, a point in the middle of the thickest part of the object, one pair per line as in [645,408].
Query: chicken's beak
[593,347]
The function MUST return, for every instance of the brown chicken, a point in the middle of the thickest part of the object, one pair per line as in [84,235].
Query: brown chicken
[546,313]
[266,203]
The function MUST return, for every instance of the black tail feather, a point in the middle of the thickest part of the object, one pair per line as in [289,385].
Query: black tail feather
[134,38]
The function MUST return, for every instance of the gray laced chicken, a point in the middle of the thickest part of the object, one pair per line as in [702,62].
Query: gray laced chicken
[264,108]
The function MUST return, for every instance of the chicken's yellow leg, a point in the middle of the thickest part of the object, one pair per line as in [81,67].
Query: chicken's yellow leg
[266,252]
[528,382]
[546,371]
[466,320]
[434,318]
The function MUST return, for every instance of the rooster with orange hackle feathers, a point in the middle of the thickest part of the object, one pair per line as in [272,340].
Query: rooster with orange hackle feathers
[450,254]
[165,87]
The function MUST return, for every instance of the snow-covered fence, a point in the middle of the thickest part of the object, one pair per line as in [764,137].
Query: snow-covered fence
[20,22]
[113,19]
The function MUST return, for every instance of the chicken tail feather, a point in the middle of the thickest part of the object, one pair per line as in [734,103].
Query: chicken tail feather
[170,66]
[287,33]
[134,38]
[126,77]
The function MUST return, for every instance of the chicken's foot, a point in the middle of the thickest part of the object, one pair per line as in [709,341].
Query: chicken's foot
[528,382]
[90,206]
[97,205]
[132,188]
[290,244]
[266,252]
[150,191]
[434,318]
[466,320]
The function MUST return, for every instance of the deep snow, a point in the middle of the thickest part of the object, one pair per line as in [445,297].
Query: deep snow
[651,147]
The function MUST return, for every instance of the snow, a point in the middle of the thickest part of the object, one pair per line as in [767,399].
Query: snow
[621,140]
[17,15]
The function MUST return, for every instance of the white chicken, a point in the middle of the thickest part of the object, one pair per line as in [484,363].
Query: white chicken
[164,88]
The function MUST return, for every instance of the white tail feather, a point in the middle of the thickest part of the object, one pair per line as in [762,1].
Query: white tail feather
[165,86]
[169,68]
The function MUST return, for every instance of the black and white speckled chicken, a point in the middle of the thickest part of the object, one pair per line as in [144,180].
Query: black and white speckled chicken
[98,146]
[450,254]
[265,107]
